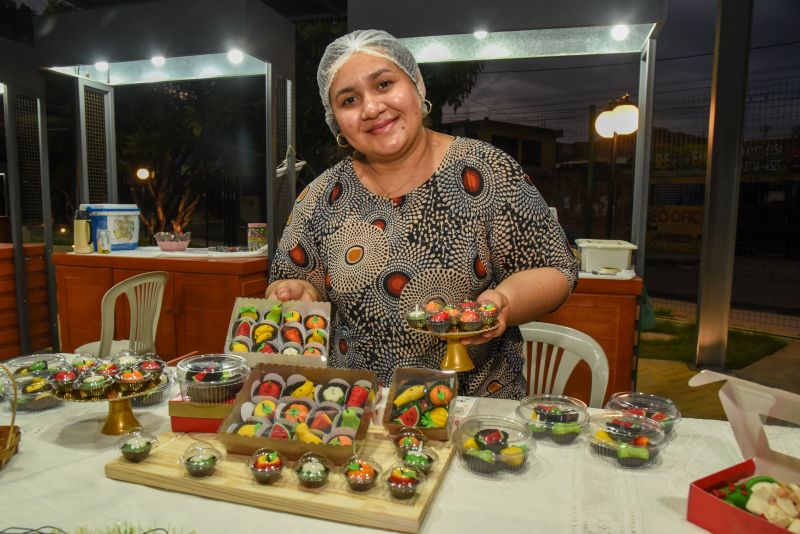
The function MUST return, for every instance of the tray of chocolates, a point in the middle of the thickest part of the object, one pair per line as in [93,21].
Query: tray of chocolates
[421,399]
[453,320]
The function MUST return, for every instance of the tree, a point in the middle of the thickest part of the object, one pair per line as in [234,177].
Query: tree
[448,84]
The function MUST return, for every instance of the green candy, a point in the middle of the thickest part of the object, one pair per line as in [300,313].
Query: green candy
[566,428]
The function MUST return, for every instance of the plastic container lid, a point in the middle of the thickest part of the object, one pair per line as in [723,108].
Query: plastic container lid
[137,444]
[212,370]
[36,364]
[558,417]
[660,409]
[491,445]
[630,440]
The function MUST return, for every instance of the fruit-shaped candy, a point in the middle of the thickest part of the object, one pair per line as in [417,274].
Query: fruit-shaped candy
[304,434]
[270,388]
[409,395]
[436,418]
[248,311]
[274,314]
[440,395]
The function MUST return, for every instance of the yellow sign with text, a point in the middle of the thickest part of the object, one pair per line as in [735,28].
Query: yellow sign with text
[675,228]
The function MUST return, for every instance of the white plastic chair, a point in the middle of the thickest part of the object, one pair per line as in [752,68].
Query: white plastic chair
[546,373]
[144,292]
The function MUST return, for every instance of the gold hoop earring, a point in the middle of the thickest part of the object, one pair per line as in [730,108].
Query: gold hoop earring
[341,145]
[427,108]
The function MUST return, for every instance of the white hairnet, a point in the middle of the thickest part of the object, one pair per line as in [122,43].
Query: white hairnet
[374,42]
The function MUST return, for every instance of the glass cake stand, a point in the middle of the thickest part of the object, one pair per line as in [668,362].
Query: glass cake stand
[456,358]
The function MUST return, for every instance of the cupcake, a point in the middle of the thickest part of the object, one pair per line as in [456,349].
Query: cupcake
[63,379]
[131,381]
[266,466]
[416,318]
[361,473]
[35,368]
[136,445]
[403,481]
[433,306]
[126,358]
[332,392]
[314,322]
[212,378]
[480,461]
[468,304]
[470,320]
[488,313]
[200,459]
[91,385]
[633,456]
[35,393]
[83,363]
[453,312]
[296,413]
[312,470]
[539,431]
[152,369]
[421,460]
[555,414]
[439,322]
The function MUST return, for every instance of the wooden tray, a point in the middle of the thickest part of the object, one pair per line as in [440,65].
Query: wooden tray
[233,482]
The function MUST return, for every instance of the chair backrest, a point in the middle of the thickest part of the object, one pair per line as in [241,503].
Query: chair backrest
[144,292]
[547,373]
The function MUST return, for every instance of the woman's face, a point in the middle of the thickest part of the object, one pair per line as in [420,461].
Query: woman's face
[377,106]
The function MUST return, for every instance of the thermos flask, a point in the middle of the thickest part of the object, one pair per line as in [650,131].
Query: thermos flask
[82,233]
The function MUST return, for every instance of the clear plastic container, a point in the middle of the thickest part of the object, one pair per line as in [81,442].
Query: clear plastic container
[159,394]
[312,470]
[494,446]
[34,394]
[660,409]
[136,445]
[628,440]
[557,418]
[266,465]
[362,473]
[200,459]
[35,364]
[404,481]
[212,378]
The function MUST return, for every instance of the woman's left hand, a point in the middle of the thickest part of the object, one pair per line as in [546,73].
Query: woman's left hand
[499,300]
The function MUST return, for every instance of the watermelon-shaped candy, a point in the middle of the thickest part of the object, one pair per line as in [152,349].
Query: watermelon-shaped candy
[279,432]
[243,329]
[410,416]
[357,397]
[322,422]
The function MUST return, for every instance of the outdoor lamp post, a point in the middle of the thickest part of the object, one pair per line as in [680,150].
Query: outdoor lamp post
[621,118]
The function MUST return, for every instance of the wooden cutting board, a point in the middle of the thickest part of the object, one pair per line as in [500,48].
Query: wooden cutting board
[233,482]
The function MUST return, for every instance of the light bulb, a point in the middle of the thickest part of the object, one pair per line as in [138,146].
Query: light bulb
[102,66]
[235,56]
[619,32]
[142,173]
[604,124]
[626,119]
[481,34]
[158,61]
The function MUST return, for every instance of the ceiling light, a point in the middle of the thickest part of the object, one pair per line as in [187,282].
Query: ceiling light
[102,66]
[142,173]
[158,61]
[235,56]
[619,32]
[480,34]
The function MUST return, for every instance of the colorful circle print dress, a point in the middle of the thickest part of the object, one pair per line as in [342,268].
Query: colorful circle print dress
[476,221]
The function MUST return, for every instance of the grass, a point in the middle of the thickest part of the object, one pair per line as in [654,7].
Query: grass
[743,348]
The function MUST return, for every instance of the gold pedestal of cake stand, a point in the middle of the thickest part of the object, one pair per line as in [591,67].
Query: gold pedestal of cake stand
[120,418]
[456,358]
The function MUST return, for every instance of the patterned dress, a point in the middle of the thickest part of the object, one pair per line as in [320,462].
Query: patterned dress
[476,221]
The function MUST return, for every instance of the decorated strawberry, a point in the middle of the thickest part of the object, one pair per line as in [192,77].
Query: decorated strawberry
[270,388]
[403,481]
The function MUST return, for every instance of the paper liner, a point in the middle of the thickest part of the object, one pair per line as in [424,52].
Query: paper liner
[292,348]
[235,328]
[335,383]
[256,335]
[273,377]
[338,433]
[292,383]
[233,347]
[298,338]
[322,351]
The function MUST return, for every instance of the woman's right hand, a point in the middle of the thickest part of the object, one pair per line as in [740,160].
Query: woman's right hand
[292,289]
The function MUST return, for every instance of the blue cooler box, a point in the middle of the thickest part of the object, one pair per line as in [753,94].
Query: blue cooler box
[121,221]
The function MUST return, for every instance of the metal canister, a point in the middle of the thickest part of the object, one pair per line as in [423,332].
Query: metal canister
[256,235]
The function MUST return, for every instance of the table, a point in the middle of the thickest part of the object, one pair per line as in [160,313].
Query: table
[57,479]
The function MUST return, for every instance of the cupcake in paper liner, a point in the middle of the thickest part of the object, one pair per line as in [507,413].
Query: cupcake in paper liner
[200,459]
[243,328]
[292,316]
[298,385]
[362,473]
[83,363]
[272,314]
[265,409]
[132,381]
[152,368]
[416,318]
[334,391]
[404,482]
[470,320]
[271,385]
[340,437]
[408,439]
[240,345]
[266,347]
[433,306]
[292,349]
[422,459]
[126,358]
[312,470]
[106,367]
[36,365]
[34,394]
[92,385]
[159,393]
[62,379]
[266,465]
[292,333]
[315,349]
[315,321]
[321,419]
[264,331]
[136,445]
[349,418]
[488,311]
[359,395]
[294,410]
[439,322]
[316,336]
[468,304]
[454,312]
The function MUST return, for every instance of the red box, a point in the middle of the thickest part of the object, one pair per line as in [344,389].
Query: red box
[188,416]
[755,412]
[195,424]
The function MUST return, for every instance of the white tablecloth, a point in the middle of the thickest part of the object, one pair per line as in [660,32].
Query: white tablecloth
[57,479]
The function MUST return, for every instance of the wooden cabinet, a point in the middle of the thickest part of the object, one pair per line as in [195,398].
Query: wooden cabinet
[36,297]
[195,310]
[607,310]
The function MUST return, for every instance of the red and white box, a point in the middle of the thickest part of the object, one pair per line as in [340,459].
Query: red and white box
[763,419]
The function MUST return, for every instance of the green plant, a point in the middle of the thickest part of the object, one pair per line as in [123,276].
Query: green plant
[743,348]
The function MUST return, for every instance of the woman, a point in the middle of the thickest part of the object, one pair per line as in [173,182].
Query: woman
[414,214]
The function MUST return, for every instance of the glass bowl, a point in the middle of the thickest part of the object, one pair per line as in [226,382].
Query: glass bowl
[172,241]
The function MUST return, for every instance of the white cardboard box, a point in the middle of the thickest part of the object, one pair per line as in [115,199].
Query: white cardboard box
[609,254]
